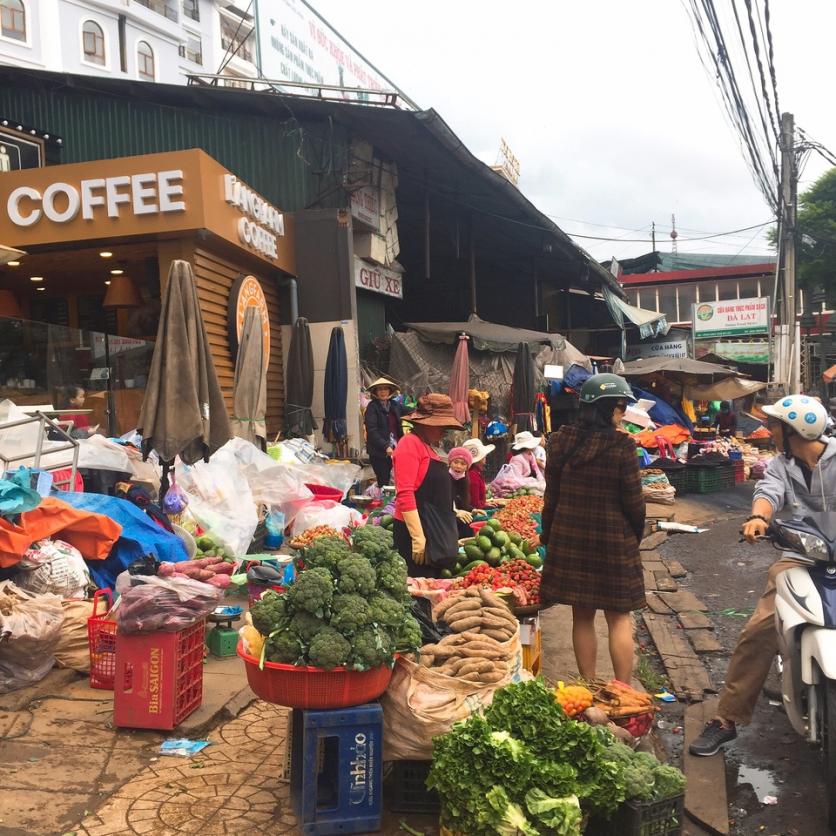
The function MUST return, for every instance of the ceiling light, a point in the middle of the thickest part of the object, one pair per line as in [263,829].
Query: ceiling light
[105,254]
[116,272]
[13,263]
[36,278]
[107,282]
[40,288]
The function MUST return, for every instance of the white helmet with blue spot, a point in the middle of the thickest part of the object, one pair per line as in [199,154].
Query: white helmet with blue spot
[801,412]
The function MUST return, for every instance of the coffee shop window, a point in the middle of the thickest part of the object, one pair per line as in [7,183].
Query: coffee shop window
[13,19]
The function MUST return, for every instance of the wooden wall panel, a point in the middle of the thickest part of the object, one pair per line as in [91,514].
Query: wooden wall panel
[215,275]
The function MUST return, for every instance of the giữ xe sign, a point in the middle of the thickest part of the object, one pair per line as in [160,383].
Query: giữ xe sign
[378,279]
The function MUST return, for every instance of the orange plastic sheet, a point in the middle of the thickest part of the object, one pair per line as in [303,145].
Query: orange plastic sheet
[92,534]
[674,433]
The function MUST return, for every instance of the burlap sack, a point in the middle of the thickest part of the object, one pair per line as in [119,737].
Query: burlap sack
[73,651]
[421,703]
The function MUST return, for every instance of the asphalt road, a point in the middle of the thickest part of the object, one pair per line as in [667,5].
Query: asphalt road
[768,758]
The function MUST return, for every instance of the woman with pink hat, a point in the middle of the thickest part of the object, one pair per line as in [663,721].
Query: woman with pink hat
[459,460]
[425,528]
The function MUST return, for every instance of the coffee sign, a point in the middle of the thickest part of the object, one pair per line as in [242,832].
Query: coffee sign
[247,293]
[377,279]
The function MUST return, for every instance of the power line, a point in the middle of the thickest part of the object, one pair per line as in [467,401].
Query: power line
[679,240]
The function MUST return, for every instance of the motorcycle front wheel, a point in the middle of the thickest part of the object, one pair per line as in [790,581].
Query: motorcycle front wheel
[827,717]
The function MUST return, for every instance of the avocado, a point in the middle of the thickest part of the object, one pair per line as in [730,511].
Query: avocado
[494,524]
[484,543]
[493,556]
[501,539]
[534,560]
[473,552]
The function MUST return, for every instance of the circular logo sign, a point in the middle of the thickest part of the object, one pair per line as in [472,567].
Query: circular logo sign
[705,312]
[247,293]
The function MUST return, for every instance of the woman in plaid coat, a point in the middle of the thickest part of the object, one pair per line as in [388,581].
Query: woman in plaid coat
[593,522]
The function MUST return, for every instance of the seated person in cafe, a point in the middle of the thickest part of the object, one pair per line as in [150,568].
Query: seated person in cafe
[72,398]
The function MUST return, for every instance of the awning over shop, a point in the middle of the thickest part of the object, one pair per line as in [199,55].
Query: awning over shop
[487,336]
[677,366]
[649,323]
[729,389]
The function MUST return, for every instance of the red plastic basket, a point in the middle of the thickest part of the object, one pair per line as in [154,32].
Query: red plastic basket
[324,492]
[159,678]
[101,638]
[307,687]
[637,724]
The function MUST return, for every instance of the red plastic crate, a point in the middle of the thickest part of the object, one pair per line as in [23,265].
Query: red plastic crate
[101,638]
[739,472]
[159,678]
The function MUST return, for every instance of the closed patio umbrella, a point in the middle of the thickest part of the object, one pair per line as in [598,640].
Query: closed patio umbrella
[335,428]
[523,391]
[249,398]
[299,420]
[183,412]
[459,382]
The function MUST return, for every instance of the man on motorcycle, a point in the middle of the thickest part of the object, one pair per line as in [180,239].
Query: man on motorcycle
[804,476]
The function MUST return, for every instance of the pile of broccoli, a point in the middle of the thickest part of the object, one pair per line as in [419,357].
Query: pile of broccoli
[349,606]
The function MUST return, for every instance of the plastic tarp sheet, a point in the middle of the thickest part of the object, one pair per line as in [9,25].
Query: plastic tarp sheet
[649,323]
[140,536]
[682,367]
[420,365]
[724,390]
[662,413]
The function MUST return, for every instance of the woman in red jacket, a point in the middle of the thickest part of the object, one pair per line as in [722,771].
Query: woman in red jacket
[425,528]
[478,488]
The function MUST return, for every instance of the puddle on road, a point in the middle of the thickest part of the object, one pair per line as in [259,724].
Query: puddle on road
[762,781]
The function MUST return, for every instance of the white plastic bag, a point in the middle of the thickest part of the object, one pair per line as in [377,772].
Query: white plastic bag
[325,512]
[30,626]
[56,567]
[220,500]
[99,453]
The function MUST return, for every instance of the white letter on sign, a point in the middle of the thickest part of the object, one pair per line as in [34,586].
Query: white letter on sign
[139,186]
[114,196]
[88,199]
[13,206]
[170,189]
[73,203]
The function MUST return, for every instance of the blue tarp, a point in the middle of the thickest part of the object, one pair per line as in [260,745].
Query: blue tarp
[140,536]
[663,413]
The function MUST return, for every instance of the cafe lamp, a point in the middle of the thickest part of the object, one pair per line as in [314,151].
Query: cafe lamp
[122,293]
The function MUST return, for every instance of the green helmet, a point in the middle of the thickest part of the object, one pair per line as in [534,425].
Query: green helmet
[601,386]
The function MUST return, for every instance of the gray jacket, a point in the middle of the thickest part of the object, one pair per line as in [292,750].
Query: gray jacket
[783,483]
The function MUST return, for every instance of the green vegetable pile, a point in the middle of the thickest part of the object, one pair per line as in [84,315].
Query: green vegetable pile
[524,767]
[349,606]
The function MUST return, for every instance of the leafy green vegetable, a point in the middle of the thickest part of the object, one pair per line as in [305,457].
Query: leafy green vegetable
[668,782]
[306,625]
[373,647]
[373,542]
[327,553]
[356,576]
[510,819]
[349,613]
[269,613]
[329,649]
[312,591]
[562,816]
[283,647]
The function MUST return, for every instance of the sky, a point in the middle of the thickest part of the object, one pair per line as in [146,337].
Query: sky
[605,103]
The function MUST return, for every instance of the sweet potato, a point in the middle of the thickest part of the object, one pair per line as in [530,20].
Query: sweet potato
[220,581]
[466,623]
[223,568]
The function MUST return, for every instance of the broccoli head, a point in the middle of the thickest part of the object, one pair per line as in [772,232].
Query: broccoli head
[283,647]
[269,613]
[356,576]
[391,574]
[306,625]
[373,542]
[638,779]
[349,613]
[312,591]
[326,552]
[329,649]
[668,781]
[373,648]
[409,636]
[386,610]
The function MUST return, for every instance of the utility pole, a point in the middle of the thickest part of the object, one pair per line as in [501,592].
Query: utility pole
[789,359]
[653,234]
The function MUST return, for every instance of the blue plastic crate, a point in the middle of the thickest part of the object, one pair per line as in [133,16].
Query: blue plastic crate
[336,769]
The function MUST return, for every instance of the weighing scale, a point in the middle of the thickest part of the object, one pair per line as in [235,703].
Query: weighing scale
[223,637]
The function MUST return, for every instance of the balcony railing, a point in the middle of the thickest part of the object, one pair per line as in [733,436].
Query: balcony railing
[161,8]
[243,51]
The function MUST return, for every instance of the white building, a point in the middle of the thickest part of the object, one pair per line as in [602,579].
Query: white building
[150,40]
[167,40]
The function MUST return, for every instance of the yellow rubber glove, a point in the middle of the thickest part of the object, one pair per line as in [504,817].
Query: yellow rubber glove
[416,534]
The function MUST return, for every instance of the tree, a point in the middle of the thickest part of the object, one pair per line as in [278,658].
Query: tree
[816,236]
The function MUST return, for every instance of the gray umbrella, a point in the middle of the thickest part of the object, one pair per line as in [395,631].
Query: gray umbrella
[299,419]
[249,398]
[183,412]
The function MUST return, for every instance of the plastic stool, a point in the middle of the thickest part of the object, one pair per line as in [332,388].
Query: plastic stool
[336,769]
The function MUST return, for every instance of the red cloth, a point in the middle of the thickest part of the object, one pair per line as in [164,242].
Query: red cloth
[478,490]
[92,534]
[411,461]
[80,422]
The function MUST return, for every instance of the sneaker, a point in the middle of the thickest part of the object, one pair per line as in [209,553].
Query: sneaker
[713,736]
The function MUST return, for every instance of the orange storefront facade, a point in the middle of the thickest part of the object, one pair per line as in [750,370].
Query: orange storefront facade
[92,229]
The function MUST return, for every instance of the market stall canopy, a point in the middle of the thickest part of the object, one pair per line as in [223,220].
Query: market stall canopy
[649,323]
[486,336]
[729,389]
[681,367]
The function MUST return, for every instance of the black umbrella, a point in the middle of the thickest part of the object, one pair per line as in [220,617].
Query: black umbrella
[299,419]
[523,390]
[335,428]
